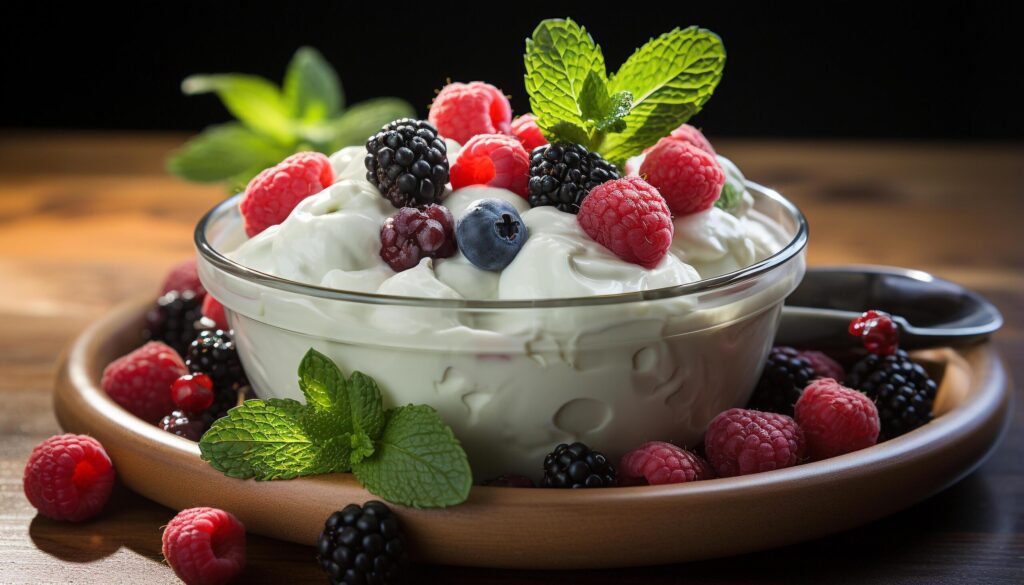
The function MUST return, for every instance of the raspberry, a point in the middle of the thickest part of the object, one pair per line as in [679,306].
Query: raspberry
[192,392]
[526,130]
[822,365]
[836,419]
[740,442]
[416,233]
[495,160]
[657,463]
[205,546]
[214,311]
[687,133]
[462,110]
[689,178]
[509,480]
[139,381]
[629,217]
[182,277]
[274,193]
[878,332]
[68,477]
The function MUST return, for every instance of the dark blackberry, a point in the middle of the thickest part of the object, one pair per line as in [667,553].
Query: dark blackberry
[173,319]
[901,389]
[408,162]
[563,174]
[187,425]
[577,466]
[785,375]
[214,353]
[363,544]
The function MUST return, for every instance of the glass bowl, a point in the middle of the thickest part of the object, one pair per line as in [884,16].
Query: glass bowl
[514,378]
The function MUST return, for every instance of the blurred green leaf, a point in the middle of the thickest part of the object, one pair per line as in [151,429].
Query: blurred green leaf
[312,90]
[357,124]
[256,102]
[224,151]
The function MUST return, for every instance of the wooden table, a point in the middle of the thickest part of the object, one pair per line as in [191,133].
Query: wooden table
[89,220]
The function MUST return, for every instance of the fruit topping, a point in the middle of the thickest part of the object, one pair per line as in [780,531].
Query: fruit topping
[463,110]
[205,546]
[495,160]
[577,466]
[408,162]
[836,419]
[526,130]
[564,174]
[629,217]
[657,463]
[274,193]
[414,233]
[192,392]
[741,442]
[689,178]
[68,477]
[877,331]
[363,544]
[139,381]
[491,233]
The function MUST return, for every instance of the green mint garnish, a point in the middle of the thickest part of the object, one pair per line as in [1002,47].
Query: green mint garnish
[307,113]
[406,455]
[419,461]
[731,198]
[662,85]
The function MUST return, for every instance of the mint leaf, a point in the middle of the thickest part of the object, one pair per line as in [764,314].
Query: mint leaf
[323,384]
[361,446]
[418,462]
[312,90]
[262,440]
[367,405]
[256,102]
[671,78]
[565,77]
[224,151]
[357,123]
[333,437]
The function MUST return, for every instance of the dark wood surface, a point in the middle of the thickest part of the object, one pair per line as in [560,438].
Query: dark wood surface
[89,220]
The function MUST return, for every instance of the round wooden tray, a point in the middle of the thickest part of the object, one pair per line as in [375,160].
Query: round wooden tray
[524,528]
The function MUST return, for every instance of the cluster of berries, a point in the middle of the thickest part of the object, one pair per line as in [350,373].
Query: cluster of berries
[407,160]
[799,412]
[188,374]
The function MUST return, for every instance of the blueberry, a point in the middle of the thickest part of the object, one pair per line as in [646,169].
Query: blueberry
[491,233]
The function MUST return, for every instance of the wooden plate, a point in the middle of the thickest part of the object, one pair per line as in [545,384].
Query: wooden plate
[523,528]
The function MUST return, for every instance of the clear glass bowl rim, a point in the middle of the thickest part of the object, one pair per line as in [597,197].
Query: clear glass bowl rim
[222,262]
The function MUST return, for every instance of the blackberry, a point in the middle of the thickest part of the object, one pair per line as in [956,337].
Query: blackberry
[901,389]
[785,375]
[577,466]
[363,544]
[214,353]
[187,425]
[563,174]
[408,162]
[173,319]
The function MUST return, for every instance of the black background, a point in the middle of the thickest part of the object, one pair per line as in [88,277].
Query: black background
[835,69]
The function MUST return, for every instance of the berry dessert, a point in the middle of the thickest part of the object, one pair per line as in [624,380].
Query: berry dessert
[546,278]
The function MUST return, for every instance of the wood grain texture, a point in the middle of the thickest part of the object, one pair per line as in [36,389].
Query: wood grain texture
[89,220]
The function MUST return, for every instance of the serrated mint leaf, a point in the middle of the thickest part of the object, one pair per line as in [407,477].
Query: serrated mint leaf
[418,462]
[618,106]
[312,90]
[256,102]
[357,123]
[565,74]
[733,191]
[367,405]
[323,384]
[224,151]
[671,78]
[261,440]
[361,446]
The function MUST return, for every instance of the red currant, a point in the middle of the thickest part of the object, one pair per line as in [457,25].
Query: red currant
[192,392]
[878,332]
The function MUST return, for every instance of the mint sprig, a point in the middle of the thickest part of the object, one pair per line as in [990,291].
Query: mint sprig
[406,455]
[307,113]
[662,85]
